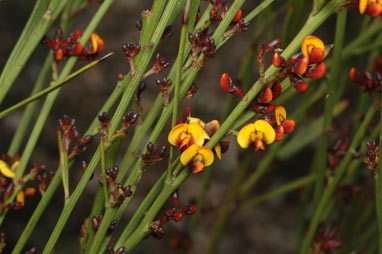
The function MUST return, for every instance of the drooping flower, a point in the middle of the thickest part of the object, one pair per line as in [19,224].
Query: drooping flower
[313,49]
[186,134]
[284,125]
[256,134]
[197,157]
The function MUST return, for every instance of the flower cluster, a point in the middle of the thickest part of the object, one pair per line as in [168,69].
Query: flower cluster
[72,47]
[190,137]
[373,8]
[326,241]
[269,128]
[371,157]
[153,155]
[309,63]
[370,82]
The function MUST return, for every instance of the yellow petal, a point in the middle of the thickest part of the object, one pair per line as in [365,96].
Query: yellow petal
[173,136]
[309,43]
[196,120]
[207,154]
[280,114]
[267,130]
[363,6]
[20,197]
[218,151]
[244,135]
[187,156]
[94,41]
[15,165]
[5,170]
[197,133]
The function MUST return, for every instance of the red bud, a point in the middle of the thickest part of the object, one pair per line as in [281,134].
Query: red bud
[316,72]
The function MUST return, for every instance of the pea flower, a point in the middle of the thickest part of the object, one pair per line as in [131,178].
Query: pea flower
[197,158]
[256,134]
[186,134]
[284,126]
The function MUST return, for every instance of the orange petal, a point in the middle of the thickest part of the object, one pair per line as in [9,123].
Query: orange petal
[309,43]
[288,126]
[29,192]
[267,131]
[277,61]
[280,114]
[363,5]
[187,156]
[317,72]
[20,197]
[279,132]
[300,67]
[94,42]
[259,145]
[374,9]
[265,96]
[208,155]
[197,166]
[244,137]
[173,136]
[5,170]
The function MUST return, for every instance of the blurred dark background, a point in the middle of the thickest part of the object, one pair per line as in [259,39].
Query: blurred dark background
[268,228]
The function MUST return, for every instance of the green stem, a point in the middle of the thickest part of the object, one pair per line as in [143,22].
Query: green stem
[379,181]
[53,86]
[30,109]
[64,166]
[291,186]
[178,78]
[329,103]
[23,53]
[333,182]
[103,173]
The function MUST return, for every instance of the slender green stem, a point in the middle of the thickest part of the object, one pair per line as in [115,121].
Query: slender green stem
[103,173]
[291,186]
[30,109]
[64,166]
[379,181]
[329,103]
[53,87]
[178,78]
[333,182]
[22,55]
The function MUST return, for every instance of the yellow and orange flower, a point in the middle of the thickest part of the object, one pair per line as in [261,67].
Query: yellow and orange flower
[186,134]
[209,130]
[313,49]
[197,158]
[256,134]
[6,171]
[373,8]
[97,43]
[284,125]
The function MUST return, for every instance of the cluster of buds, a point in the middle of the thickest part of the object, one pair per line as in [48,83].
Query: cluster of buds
[370,82]
[326,241]
[69,134]
[72,47]
[337,152]
[159,65]
[131,50]
[176,214]
[191,91]
[111,174]
[118,192]
[371,156]
[96,222]
[164,84]
[201,43]
[120,250]
[41,174]
[153,155]
[373,8]
[309,63]
[264,98]
[127,120]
